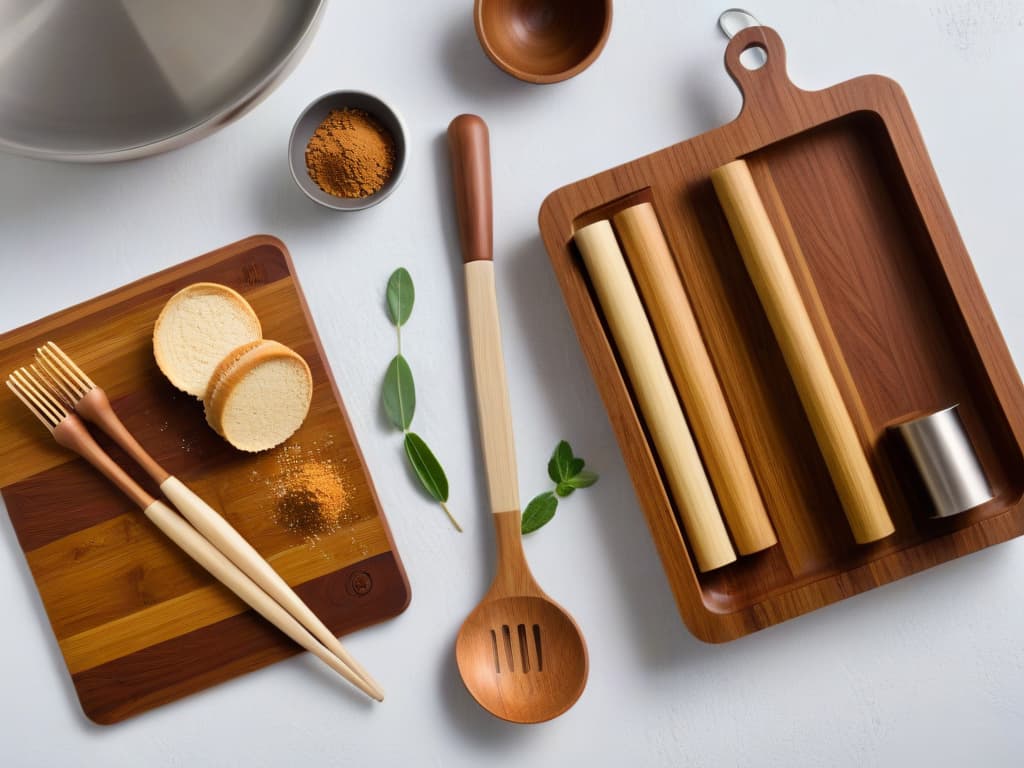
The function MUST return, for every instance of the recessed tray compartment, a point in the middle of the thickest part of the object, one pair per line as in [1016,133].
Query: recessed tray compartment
[897,306]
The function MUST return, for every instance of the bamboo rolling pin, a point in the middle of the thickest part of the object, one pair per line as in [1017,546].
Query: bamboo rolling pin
[662,413]
[805,358]
[694,375]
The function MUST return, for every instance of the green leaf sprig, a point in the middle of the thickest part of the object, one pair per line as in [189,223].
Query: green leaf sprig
[399,396]
[567,473]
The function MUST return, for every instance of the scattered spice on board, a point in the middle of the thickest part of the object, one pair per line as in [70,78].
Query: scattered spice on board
[312,497]
[350,154]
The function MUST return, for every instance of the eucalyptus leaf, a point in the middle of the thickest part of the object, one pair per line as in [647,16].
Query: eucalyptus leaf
[427,467]
[401,295]
[539,512]
[399,393]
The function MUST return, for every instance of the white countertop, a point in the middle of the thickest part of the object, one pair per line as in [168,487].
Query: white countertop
[926,671]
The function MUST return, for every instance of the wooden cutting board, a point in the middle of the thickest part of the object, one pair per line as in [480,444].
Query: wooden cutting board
[138,622]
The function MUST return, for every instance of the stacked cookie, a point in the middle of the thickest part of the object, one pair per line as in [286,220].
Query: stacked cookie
[209,343]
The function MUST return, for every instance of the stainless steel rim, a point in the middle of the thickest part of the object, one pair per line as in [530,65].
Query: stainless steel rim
[202,128]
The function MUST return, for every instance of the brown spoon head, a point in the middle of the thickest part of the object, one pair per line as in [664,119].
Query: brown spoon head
[522,658]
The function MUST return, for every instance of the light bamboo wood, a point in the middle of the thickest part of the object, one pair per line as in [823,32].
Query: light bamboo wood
[91,402]
[240,552]
[103,632]
[762,253]
[688,361]
[227,573]
[69,432]
[493,409]
[544,667]
[646,370]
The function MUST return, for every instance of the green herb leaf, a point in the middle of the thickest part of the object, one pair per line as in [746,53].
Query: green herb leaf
[560,466]
[399,394]
[427,467]
[564,489]
[539,512]
[583,479]
[401,296]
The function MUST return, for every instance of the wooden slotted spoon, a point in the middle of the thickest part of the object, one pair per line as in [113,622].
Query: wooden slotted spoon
[520,654]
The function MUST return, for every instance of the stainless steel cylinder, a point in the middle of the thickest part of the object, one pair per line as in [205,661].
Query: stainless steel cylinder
[947,462]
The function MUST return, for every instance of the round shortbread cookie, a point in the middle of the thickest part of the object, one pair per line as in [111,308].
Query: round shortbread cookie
[197,327]
[260,397]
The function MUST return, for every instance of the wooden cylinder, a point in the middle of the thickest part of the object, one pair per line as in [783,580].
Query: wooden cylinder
[662,413]
[694,375]
[805,358]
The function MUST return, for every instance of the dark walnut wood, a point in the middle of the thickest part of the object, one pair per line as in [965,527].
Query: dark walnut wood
[139,623]
[894,298]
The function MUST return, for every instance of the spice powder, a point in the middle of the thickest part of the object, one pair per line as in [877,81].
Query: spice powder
[312,500]
[350,154]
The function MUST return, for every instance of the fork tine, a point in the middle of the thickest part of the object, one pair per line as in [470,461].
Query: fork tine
[56,383]
[23,384]
[80,376]
[62,371]
[40,390]
[16,389]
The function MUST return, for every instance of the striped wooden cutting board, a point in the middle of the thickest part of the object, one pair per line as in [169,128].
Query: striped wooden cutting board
[138,622]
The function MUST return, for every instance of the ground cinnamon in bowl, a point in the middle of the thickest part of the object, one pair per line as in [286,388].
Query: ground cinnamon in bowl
[350,154]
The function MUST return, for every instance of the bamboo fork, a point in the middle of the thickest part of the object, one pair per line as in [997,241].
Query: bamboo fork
[69,431]
[90,401]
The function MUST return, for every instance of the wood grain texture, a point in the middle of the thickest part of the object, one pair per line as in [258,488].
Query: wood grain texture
[805,357]
[904,324]
[645,369]
[695,378]
[494,411]
[138,622]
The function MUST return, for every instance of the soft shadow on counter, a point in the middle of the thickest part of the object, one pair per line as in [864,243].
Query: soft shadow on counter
[475,723]
[284,206]
[707,100]
[469,68]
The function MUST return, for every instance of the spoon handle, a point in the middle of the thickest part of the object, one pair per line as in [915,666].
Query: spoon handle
[471,172]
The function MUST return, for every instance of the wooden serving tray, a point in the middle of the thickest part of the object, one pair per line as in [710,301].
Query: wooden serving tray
[138,622]
[895,300]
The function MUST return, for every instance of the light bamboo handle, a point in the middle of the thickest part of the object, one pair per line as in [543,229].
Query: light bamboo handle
[662,414]
[493,409]
[694,375]
[209,557]
[240,552]
[805,358]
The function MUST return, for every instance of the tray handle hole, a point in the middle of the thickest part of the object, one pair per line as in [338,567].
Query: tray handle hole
[754,57]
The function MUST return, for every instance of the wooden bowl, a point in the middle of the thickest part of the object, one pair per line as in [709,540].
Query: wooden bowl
[543,41]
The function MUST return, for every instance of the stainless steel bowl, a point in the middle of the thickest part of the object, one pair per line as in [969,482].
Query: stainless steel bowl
[115,79]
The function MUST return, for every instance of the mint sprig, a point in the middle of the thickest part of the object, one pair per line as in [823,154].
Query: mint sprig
[567,472]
